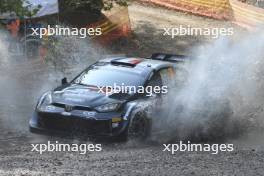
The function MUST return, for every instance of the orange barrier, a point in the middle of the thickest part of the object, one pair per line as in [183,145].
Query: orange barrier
[219,9]
[116,25]
[246,15]
[240,13]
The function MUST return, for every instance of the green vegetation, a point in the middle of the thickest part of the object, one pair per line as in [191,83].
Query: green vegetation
[20,7]
[23,7]
[92,4]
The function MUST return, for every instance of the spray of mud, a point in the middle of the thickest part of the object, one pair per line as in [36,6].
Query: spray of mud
[223,95]
[23,79]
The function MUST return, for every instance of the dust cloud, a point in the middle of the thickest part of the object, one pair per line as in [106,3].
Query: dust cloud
[222,97]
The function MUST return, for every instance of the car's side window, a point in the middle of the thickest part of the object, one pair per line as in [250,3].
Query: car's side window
[155,80]
[167,76]
[160,78]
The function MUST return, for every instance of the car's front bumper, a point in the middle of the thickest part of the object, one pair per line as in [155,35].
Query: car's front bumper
[57,123]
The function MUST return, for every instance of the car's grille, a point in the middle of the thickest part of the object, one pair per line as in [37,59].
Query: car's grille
[82,108]
[75,124]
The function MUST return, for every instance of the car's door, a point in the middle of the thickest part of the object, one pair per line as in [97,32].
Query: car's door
[160,81]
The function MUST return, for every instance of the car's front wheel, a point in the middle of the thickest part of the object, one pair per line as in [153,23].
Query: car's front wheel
[139,127]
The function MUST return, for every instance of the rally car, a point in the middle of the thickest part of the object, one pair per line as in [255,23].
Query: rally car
[88,106]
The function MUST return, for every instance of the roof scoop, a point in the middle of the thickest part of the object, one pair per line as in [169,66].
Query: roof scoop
[130,62]
[169,57]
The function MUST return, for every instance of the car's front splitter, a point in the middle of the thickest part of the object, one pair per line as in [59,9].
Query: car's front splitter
[36,126]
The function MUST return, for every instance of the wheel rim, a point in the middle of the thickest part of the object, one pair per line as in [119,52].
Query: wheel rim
[138,128]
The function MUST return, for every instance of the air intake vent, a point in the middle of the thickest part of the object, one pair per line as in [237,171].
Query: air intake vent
[169,57]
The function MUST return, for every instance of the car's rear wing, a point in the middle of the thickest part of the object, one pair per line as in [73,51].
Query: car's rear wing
[175,58]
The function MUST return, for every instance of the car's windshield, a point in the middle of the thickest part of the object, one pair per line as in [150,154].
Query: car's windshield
[109,76]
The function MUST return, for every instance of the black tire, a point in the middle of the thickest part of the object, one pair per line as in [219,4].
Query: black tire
[139,127]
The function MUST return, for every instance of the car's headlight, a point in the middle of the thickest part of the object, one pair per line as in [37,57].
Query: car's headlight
[44,101]
[108,107]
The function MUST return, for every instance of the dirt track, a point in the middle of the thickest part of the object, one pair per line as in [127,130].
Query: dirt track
[20,91]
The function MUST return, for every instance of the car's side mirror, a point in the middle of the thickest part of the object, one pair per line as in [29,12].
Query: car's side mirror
[64,81]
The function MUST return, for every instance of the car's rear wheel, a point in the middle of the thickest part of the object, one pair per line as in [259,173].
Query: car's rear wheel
[139,127]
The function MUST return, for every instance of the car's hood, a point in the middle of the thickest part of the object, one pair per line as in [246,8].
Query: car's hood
[79,95]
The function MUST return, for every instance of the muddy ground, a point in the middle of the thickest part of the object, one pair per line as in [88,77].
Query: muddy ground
[23,81]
